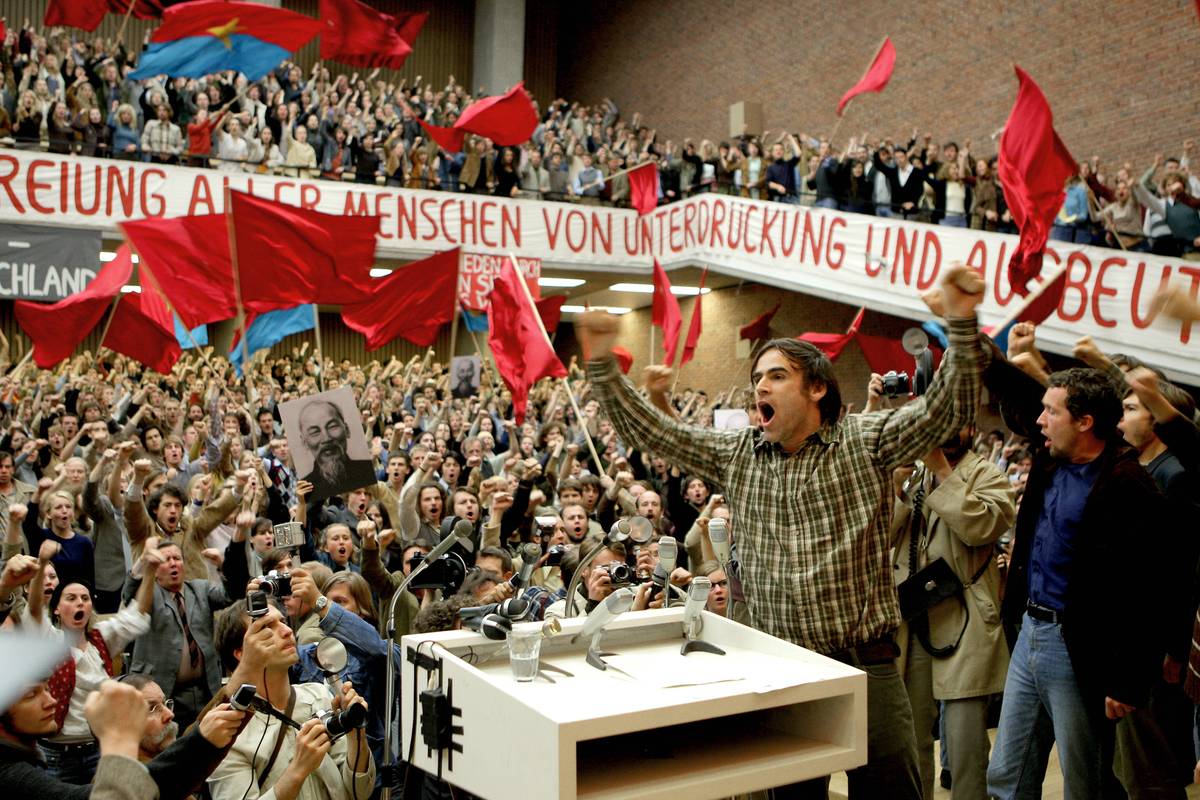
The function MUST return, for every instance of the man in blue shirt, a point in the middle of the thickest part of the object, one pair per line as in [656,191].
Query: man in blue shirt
[1085,586]
[781,176]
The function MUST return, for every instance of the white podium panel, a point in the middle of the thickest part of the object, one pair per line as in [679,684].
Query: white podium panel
[656,724]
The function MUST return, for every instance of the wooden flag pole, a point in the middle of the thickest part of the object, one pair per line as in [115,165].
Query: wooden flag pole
[625,171]
[1016,313]
[567,386]
[125,22]
[237,281]
[454,315]
[320,351]
[112,312]
[24,360]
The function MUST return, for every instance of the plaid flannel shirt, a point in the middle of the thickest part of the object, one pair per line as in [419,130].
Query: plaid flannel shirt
[812,526]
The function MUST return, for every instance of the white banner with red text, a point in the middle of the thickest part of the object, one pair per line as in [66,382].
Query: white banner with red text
[879,263]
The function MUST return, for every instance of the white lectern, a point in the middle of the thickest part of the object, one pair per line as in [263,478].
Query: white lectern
[656,724]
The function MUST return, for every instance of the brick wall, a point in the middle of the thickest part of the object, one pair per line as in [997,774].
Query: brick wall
[1116,74]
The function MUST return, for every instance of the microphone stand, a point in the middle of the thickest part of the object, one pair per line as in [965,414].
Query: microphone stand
[390,693]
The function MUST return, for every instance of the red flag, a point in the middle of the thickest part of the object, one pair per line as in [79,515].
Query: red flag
[411,303]
[832,344]
[876,77]
[189,260]
[885,354]
[665,313]
[288,256]
[85,14]
[694,326]
[358,35]
[133,333]
[550,310]
[760,326]
[1033,167]
[643,187]
[507,119]
[523,353]
[56,329]
[624,358]
[409,24]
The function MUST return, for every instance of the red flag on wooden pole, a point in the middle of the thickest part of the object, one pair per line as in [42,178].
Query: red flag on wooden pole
[665,313]
[519,344]
[1033,166]
[876,77]
[694,325]
[760,326]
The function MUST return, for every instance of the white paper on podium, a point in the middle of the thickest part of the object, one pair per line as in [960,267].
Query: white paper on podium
[698,669]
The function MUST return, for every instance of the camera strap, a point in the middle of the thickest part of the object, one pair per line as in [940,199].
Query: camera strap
[279,737]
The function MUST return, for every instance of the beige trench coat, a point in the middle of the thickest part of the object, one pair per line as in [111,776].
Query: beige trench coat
[965,515]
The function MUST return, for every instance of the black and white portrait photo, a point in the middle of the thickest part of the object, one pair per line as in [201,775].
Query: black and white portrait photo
[327,441]
[464,376]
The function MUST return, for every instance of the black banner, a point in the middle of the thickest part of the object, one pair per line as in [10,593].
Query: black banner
[43,263]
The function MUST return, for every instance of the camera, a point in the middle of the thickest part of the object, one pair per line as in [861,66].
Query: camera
[447,573]
[554,555]
[339,723]
[618,572]
[276,583]
[257,604]
[288,534]
[545,528]
[896,384]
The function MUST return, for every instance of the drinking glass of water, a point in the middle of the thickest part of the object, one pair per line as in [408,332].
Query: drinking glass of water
[524,644]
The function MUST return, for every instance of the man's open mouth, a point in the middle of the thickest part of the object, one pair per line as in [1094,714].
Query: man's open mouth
[766,412]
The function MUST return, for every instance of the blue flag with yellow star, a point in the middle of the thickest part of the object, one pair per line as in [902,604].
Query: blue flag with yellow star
[207,36]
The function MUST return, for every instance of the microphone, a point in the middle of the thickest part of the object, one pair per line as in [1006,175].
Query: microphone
[718,534]
[693,621]
[611,607]
[668,553]
[531,553]
[516,608]
[605,612]
[496,627]
[462,531]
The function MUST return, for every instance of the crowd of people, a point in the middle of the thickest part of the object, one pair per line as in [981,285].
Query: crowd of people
[74,96]
[142,513]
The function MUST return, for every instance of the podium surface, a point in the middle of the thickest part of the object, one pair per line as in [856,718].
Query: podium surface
[656,724]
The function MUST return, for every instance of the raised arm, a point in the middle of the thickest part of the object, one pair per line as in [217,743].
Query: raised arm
[701,451]
[901,436]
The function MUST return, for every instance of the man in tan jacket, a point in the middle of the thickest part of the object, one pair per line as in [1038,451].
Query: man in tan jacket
[164,515]
[966,504]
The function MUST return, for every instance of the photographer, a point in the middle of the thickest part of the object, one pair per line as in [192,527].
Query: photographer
[596,583]
[269,758]
[953,508]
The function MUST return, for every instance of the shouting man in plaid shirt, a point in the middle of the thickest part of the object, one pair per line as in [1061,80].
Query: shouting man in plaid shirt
[812,500]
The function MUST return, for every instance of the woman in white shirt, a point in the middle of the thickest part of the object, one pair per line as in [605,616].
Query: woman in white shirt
[232,149]
[72,754]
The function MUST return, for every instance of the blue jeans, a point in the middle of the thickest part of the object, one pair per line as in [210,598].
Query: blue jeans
[827,202]
[954,221]
[1071,233]
[1043,706]
[76,764]
[884,211]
